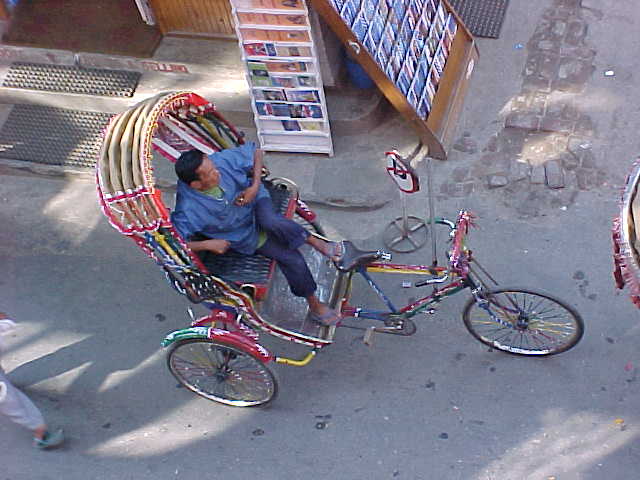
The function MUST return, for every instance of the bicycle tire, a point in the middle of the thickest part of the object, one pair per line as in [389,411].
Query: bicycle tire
[536,332]
[222,373]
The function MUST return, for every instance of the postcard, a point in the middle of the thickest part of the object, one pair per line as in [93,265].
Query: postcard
[282,67]
[411,97]
[303,96]
[256,34]
[377,25]
[307,81]
[250,18]
[424,108]
[263,108]
[288,4]
[291,125]
[258,69]
[338,4]
[280,109]
[382,60]
[429,10]
[403,83]
[312,126]
[291,20]
[349,13]
[254,49]
[296,111]
[369,44]
[313,111]
[284,82]
[360,28]
[430,90]
[383,10]
[390,72]
[260,81]
[272,95]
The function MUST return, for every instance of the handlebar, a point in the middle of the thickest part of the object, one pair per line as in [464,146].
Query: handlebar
[457,259]
[432,281]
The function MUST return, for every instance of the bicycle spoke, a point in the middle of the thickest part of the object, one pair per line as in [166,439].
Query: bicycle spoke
[222,373]
[523,322]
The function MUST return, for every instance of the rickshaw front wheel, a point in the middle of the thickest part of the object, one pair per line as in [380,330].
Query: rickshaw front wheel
[222,373]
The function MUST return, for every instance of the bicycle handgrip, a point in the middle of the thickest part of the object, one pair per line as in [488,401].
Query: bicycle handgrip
[431,281]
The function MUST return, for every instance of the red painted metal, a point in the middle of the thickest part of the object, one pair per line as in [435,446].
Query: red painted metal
[242,342]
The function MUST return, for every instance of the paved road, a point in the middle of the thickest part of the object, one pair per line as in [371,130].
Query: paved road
[435,405]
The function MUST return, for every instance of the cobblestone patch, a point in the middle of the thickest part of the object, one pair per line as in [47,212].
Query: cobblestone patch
[543,156]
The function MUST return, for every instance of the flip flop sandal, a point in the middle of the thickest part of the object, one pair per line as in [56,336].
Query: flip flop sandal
[328,319]
[50,440]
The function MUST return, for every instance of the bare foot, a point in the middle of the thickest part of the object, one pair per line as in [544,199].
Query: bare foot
[321,313]
[331,250]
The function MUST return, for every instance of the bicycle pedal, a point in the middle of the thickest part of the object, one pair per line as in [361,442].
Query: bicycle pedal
[368,336]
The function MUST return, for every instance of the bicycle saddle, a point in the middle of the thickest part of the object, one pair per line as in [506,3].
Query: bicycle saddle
[352,257]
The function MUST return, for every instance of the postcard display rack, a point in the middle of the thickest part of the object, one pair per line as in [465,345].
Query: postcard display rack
[418,52]
[283,74]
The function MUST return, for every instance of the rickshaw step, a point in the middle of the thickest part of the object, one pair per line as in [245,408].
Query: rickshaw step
[54,136]
[72,79]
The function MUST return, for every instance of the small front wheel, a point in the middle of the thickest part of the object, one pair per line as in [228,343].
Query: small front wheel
[523,322]
[222,373]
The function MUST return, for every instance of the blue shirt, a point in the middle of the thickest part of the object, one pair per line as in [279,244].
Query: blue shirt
[220,218]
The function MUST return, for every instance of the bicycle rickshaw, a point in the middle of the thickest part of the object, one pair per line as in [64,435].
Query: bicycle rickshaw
[219,355]
[626,237]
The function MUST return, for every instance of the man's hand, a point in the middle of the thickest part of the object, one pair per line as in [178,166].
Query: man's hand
[214,245]
[247,196]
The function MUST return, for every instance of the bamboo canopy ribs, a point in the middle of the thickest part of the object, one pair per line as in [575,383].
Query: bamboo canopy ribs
[169,124]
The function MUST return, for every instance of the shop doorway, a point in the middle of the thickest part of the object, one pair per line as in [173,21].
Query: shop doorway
[100,26]
[195,18]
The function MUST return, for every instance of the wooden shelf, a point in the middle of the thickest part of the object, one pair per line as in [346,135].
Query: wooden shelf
[414,47]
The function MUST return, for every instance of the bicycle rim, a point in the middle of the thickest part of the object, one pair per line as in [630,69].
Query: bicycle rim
[526,322]
[222,373]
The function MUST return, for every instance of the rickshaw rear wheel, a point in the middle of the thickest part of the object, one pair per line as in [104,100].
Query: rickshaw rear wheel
[222,373]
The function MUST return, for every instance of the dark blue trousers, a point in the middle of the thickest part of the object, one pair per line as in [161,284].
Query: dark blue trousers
[284,237]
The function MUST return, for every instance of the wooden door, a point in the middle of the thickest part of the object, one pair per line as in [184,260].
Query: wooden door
[200,18]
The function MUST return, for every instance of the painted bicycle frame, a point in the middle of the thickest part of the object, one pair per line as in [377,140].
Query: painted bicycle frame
[457,271]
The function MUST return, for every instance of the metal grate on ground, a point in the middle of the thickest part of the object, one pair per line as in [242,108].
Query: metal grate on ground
[482,17]
[71,79]
[54,136]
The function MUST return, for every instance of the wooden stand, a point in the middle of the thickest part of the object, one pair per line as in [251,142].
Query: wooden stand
[419,61]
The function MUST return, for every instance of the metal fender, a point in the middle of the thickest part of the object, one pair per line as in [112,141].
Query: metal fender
[241,341]
[185,333]
[235,339]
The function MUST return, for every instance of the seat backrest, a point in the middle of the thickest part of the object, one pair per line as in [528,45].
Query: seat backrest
[169,123]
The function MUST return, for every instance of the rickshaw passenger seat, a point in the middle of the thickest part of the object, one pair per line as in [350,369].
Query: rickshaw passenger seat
[254,269]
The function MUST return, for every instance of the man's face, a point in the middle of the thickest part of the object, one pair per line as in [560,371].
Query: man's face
[208,175]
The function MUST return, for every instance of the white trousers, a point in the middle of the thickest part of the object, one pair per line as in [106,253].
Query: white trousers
[17,406]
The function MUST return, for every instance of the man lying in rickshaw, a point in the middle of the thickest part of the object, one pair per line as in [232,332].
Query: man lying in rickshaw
[221,205]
